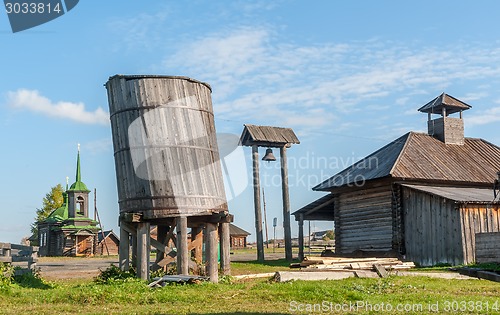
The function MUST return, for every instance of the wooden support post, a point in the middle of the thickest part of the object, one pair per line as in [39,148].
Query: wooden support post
[211,252]
[301,237]
[134,249]
[182,247]
[225,239]
[286,204]
[143,250]
[197,235]
[161,236]
[256,202]
[124,250]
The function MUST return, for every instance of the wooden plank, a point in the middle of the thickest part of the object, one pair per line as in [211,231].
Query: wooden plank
[380,270]
[283,276]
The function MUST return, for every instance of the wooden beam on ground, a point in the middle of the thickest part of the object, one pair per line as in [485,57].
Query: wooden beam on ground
[225,244]
[182,247]
[211,252]
[143,250]
[380,270]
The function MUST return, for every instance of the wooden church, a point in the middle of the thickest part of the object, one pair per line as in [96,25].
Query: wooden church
[68,230]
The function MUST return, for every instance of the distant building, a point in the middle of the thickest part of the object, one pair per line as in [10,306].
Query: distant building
[238,236]
[423,196]
[108,243]
[68,230]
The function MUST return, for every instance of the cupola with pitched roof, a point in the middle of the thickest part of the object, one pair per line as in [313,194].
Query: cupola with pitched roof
[449,130]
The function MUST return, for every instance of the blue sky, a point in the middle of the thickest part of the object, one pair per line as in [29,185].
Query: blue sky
[347,76]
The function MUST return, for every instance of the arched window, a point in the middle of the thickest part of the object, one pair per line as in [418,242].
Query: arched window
[80,205]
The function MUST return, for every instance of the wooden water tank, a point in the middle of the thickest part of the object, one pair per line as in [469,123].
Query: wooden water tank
[165,146]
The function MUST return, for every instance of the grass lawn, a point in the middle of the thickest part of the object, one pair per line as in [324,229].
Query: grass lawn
[391,295]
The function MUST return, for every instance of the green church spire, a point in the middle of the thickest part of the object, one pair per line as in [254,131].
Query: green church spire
[78,185]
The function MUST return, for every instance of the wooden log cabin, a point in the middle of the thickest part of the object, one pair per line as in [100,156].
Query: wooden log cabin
[422,197]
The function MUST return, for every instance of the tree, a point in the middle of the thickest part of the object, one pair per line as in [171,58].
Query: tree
[329,235]
[51,201]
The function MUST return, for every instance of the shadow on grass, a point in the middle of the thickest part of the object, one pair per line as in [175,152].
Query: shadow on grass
[31,280]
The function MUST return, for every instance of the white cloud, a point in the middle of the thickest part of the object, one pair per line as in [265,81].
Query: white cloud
[253,72]
[489,116]
[98,146]
[32,100]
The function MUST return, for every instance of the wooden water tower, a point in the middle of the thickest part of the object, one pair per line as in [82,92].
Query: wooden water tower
[168,172]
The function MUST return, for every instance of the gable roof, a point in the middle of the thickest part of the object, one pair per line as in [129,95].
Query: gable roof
[418,156]
[107,234]
[267,136]
[237,231]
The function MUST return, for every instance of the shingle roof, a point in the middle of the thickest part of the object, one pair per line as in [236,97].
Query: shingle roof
[459,194]
[319,209]
[267,136]
[419,156]
[234,230]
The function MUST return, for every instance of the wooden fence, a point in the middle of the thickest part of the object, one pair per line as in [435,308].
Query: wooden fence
[488,247]
[19,255]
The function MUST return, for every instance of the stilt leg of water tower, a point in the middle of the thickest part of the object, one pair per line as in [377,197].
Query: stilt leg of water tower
[301,237]
[225,260]
[197,237]
[286,205]
[256,202]
[124,249]
[182,247]
[143,250]
[211,252]
[162,231]
[134,248]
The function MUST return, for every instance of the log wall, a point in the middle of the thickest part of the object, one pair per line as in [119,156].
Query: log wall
[364,220]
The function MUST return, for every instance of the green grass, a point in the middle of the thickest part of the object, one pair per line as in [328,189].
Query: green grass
[132,296]
[251,267]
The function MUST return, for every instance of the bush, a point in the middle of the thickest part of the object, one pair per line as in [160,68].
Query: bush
[113,274]
[6,275]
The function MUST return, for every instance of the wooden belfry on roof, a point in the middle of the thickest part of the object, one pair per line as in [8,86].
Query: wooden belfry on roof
[270,137]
